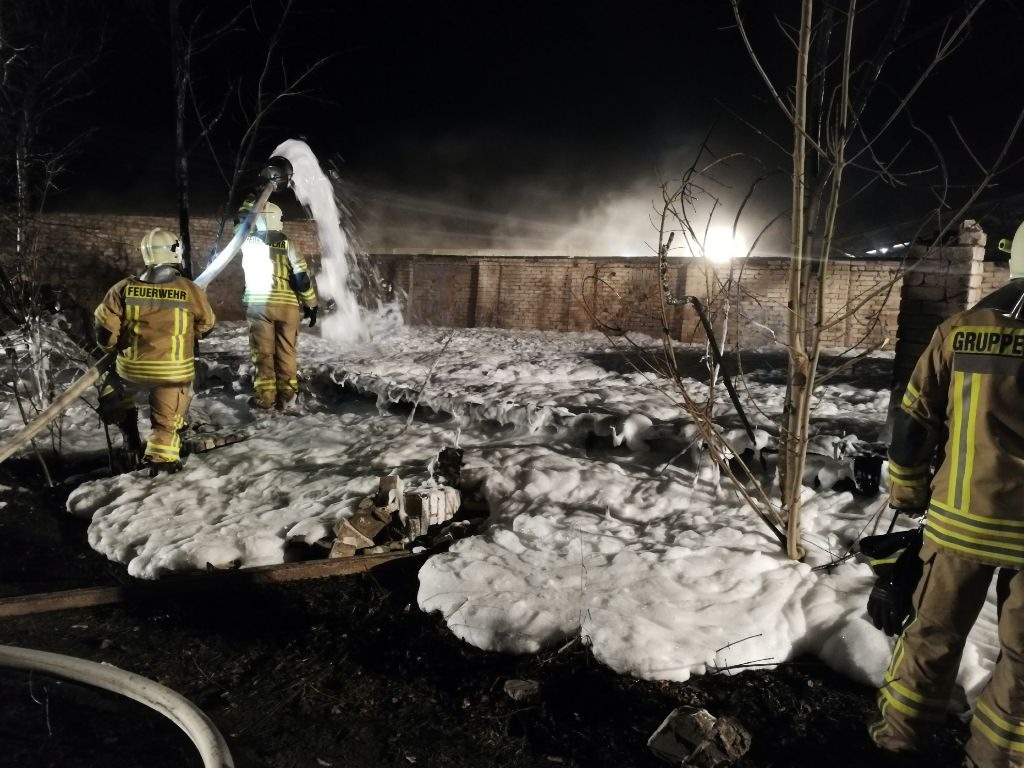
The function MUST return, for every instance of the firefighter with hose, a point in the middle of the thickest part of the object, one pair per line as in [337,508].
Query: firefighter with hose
[146,349]
[152,322]
[279,293]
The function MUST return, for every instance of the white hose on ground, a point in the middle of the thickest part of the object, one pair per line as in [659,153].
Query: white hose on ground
[175,707]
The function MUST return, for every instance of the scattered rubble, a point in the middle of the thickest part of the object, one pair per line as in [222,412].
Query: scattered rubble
[429,507]
[694,737]
[522,690]
[395,516]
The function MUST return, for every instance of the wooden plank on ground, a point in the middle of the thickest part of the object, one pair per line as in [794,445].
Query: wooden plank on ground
[23,605]
[309,569]
[91,597]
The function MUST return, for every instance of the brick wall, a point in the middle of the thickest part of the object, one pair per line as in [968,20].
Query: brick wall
[553,293]
[938,283]
[88,253]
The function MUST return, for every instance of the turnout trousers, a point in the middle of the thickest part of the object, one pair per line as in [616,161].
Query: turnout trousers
[919,681]
[168,406]
[273,335]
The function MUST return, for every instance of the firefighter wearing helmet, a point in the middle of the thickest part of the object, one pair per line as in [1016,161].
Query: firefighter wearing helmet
[153,322]
[957,457]
[279,292]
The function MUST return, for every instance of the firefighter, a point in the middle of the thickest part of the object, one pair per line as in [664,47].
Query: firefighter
[153,321]
[964,399]
[279,293]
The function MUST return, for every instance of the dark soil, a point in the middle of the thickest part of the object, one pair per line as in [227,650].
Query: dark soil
[347,671]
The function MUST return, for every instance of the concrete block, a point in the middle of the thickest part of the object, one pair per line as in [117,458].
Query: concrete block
[431,506]
[971,233]
[348,534]
[368,521]
[925,293]
[912,278]
[390,494]
[694,737]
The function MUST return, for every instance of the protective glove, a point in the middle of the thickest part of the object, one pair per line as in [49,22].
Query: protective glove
[310,314]
[888,606]
[891,598]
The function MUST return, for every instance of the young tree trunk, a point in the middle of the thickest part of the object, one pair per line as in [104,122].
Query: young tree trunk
[800,377]
[180,151]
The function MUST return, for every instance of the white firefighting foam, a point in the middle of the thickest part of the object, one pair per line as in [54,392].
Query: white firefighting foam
[347,324]
[661,572]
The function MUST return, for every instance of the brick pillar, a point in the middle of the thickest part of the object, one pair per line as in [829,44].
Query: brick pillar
[938,283]
[484,312]
[410,306]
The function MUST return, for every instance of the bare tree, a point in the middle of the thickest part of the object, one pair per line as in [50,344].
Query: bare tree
[44,55]
[831,136]
[45,52]
[849,131]
[229,117]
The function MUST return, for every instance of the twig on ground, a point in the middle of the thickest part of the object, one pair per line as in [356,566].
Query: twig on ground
[426,380]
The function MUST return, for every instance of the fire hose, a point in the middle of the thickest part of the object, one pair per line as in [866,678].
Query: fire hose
[197,726]
[57,407]
[278,175]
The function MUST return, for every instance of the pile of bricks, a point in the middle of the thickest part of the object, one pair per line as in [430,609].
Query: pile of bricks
[393,517]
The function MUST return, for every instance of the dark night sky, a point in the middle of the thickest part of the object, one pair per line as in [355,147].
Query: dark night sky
[542,112]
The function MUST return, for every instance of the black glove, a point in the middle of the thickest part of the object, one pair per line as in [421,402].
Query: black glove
[891,598]
[310,314]
[889,606]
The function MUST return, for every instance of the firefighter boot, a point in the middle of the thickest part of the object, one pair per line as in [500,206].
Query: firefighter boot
[166,467]
[133,446]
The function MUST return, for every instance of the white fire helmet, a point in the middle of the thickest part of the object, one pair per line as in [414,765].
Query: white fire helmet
[160,247]
[269,219]
[1017,253]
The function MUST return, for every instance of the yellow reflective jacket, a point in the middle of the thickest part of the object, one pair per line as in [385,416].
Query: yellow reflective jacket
[153,327]
[967,386]
[275,272]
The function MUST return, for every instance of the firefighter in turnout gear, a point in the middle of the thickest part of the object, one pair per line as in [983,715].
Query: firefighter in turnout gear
[153,321]
[964,399]
[279,292]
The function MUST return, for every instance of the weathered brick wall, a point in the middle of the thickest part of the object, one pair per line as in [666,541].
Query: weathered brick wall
[861,301]
[873,296]
[554,293]
[88,253]
[938,283]
[756,292]
[994,275]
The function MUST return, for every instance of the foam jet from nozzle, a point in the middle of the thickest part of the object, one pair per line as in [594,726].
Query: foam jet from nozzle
[277,175]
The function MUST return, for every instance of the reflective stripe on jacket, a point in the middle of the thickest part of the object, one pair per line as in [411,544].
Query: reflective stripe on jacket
[272,267]
[154,328]
[969,381]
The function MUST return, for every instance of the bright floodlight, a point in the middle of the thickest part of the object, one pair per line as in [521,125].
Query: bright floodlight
[721,246]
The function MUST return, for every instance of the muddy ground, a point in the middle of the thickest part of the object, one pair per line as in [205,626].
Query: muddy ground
[347,671]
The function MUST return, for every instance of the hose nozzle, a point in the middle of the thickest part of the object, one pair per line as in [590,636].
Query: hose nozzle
[277,171]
